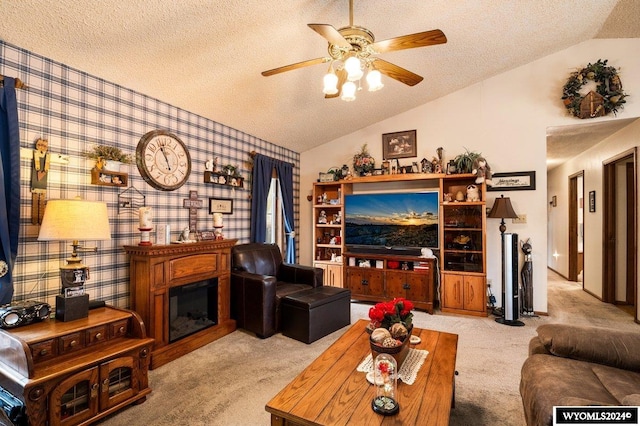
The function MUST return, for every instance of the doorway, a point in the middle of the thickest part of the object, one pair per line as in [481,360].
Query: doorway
[576,227]
[619,280]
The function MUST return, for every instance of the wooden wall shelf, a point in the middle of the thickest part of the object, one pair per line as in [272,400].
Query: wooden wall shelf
[109,178]
[223,179]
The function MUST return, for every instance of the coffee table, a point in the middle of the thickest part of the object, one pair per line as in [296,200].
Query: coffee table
[331,392]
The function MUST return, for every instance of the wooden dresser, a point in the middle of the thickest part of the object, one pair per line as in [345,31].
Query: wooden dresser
[76,372]
[154,270]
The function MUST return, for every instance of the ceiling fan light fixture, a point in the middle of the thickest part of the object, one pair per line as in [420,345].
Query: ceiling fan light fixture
[354,68]
[348,91]
[330,83]
[374,80]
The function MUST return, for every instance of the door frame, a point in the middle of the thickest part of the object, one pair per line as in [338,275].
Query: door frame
[609,211]
[573,225]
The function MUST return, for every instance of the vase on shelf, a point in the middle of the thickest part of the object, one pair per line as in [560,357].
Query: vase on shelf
[363,162]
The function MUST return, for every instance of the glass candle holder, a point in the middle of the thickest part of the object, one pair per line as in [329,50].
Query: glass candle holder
[385,379]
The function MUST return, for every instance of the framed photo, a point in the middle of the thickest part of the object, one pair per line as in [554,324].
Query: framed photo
[514,181]
[399,145]
[592,201]
[220,205]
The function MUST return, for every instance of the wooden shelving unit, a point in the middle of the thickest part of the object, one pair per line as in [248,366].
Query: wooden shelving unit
[223,179]
[109,178]
[461,257]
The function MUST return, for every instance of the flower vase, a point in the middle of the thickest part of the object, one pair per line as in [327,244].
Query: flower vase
[399,353]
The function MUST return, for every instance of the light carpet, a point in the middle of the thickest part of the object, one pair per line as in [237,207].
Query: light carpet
[229,381]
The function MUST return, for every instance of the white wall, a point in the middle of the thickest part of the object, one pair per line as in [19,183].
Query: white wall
[505,118]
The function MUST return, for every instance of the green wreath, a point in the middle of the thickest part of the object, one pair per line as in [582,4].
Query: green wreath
[609,87]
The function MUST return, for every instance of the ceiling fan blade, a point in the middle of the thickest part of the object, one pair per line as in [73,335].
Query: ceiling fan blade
[331,34]
[342,77]
[295,66]
[426,38]
[397,73]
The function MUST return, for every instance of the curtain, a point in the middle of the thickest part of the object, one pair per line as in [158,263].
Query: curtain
[285,177]
[10,189]
[262,170]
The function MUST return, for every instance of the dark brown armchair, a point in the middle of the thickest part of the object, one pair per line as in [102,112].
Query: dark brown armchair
[259,279]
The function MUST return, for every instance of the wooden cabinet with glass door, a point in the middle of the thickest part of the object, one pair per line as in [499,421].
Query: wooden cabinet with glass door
[328,229]
[463,246]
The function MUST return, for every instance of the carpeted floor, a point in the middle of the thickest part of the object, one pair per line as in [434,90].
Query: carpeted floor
[229,381]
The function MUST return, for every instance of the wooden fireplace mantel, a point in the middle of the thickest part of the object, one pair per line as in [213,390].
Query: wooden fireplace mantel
[155,269]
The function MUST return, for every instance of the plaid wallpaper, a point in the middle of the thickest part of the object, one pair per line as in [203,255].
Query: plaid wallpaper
[73,110]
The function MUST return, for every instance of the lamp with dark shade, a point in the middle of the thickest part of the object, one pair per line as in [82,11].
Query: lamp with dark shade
[502,210]
[74,220]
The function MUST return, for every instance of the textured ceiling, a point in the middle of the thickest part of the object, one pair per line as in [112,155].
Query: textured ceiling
[206,56]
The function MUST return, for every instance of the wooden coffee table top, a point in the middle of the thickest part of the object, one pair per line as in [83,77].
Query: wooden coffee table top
[331,392]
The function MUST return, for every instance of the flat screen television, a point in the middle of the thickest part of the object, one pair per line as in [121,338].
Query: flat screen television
[391,222]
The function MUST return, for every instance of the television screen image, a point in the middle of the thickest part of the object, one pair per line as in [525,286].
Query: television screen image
[392,220]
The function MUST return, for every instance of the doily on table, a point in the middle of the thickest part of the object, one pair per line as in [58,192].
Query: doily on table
[409,369]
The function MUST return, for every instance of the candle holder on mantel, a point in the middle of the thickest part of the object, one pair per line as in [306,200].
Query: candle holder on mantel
[145,236]
[145,226]
[217,226]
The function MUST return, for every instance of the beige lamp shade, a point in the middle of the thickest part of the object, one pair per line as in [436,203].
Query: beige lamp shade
[75,220]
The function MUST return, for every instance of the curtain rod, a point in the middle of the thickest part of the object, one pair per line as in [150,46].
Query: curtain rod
[19,83]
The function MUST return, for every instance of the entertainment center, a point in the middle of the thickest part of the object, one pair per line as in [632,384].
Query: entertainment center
[373,231]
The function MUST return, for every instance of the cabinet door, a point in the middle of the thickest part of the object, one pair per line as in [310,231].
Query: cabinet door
[118,381]
[474,291]
[335,275]
[410,285]
[365,281]
[452,291]
[75,399]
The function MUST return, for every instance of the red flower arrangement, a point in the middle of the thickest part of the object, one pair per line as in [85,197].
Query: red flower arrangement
[385,314]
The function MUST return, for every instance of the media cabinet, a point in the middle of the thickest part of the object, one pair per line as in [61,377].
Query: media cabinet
[461,256]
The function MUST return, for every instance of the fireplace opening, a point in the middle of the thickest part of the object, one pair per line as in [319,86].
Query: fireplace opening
[192,307]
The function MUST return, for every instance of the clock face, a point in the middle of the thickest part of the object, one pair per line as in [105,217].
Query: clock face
[163,160]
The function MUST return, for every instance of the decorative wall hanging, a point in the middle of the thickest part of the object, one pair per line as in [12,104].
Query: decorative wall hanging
[607,97]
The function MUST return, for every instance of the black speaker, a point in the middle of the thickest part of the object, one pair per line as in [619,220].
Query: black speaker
[23,313]
[510,299]
[72,308]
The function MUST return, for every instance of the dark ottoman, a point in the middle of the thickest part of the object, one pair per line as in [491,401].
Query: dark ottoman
[311,314]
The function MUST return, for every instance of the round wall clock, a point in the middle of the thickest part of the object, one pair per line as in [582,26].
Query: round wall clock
[163,160]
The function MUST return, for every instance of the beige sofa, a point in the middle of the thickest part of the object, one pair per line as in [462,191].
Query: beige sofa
[573,365]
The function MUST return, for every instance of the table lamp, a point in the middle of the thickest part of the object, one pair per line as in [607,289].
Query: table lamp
[502,210]
[74,220]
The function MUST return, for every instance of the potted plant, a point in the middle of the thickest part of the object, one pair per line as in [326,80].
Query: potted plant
[464,162]
[108,157]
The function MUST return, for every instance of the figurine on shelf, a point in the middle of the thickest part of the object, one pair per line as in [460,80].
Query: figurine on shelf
[323,217]
[210,165]
[324,198]
[337,218]
[473,193]
[184,235]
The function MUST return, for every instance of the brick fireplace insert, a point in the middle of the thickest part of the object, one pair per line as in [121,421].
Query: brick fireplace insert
[165,277]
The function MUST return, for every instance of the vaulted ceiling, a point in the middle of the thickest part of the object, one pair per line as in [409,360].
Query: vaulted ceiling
[206,56]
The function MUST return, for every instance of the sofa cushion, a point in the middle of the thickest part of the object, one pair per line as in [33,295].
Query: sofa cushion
[631,400]
[603,346]
[548,380]
[619,383]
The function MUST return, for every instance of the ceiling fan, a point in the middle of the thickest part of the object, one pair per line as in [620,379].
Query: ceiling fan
[359,43]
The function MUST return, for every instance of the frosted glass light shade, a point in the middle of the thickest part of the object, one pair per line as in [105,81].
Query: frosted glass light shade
[75,220]
[354,68]
[348,91]
[374,80]
[330,84]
